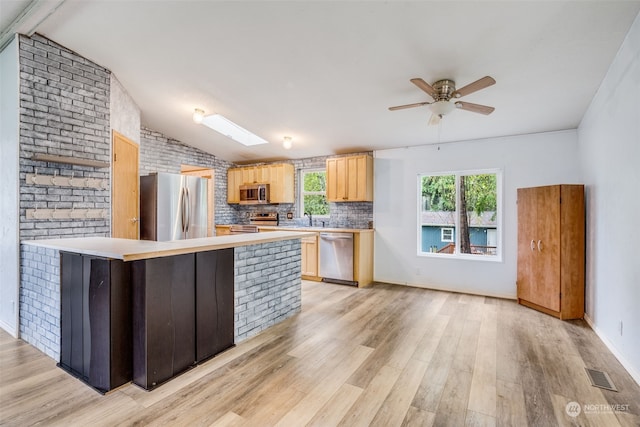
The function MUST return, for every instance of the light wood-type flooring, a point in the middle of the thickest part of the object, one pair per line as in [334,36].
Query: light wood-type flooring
[382,356]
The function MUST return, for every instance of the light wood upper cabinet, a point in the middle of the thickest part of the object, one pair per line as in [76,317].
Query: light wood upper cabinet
[278,176]
[350,179]
[281,180]
[249,175]
[234,181]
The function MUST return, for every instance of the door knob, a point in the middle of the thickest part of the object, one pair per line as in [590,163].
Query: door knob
[134,219]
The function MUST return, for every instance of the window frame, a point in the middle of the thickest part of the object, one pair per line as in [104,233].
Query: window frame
[498,257]
[449,229]
[302,193]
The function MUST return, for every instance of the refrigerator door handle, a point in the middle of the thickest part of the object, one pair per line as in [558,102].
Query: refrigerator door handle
[188,209]
[182,212]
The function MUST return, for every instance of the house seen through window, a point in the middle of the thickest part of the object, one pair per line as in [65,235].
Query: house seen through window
[313,198]
[459,214]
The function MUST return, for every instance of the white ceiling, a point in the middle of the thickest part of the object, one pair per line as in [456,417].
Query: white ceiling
[325,72]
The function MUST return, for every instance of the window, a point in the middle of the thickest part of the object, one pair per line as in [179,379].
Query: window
[459,214]
[313,189]
[446,235]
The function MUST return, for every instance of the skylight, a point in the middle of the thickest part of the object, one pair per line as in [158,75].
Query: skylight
[231,130]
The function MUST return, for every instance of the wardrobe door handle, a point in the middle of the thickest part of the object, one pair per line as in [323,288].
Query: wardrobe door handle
[539,245]
[533,245]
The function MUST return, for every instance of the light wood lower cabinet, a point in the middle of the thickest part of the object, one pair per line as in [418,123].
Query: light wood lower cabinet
[551,249]
[310,258]
[223,230]
[363,258]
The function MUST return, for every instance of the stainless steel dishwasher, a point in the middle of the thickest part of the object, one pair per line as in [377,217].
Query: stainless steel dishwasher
[336,257]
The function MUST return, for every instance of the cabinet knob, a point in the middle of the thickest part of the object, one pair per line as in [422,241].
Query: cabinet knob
[134,219]
[532,245]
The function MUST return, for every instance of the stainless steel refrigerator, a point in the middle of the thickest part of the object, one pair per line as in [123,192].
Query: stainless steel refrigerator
[172,207]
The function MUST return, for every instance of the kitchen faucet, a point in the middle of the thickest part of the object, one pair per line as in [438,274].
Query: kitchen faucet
[310,218]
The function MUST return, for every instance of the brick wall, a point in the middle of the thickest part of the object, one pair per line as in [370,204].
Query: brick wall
[64,111]
[159,153]
[267,286]
[40,299]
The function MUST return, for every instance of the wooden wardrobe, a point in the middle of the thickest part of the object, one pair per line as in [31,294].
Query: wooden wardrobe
[551,249]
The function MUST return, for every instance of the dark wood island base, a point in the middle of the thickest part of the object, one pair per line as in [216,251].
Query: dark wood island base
[95,323]
[146,320]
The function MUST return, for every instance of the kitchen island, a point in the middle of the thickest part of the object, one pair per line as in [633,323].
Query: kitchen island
[146,311]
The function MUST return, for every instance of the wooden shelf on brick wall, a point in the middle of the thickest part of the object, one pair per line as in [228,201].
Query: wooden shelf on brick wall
[70,160]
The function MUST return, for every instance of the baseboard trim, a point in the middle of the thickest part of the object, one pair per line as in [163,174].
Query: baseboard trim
[623,361]
[457,291]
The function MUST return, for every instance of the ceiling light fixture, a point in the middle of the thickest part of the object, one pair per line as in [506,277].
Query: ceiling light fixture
[198,115]
[287,142]
[442,108]
[231,130]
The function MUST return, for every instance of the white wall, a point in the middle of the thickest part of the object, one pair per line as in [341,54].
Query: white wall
[526,161]
[124,113]
[9,189]
[609,148]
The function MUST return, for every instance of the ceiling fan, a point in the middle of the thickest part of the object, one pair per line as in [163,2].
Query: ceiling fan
[442,93]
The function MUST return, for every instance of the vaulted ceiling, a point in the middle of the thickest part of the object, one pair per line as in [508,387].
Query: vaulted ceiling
[326,72]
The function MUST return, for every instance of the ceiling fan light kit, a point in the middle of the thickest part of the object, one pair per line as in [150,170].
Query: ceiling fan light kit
[442,108]
[442,92]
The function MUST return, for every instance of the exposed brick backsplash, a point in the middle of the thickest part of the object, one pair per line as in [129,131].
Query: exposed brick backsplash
[267,285]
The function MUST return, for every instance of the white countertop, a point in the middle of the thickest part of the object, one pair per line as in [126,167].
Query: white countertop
[130,250]
[308,229]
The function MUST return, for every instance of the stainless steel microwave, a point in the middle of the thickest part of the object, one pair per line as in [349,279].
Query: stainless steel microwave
[254,194]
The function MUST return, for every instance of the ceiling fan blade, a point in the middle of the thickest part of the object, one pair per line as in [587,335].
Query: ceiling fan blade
[402,107]
[474,87]
[476,108]
[434,120]
[425,87]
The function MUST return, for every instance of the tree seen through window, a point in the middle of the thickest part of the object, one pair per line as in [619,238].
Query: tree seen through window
[314,187]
